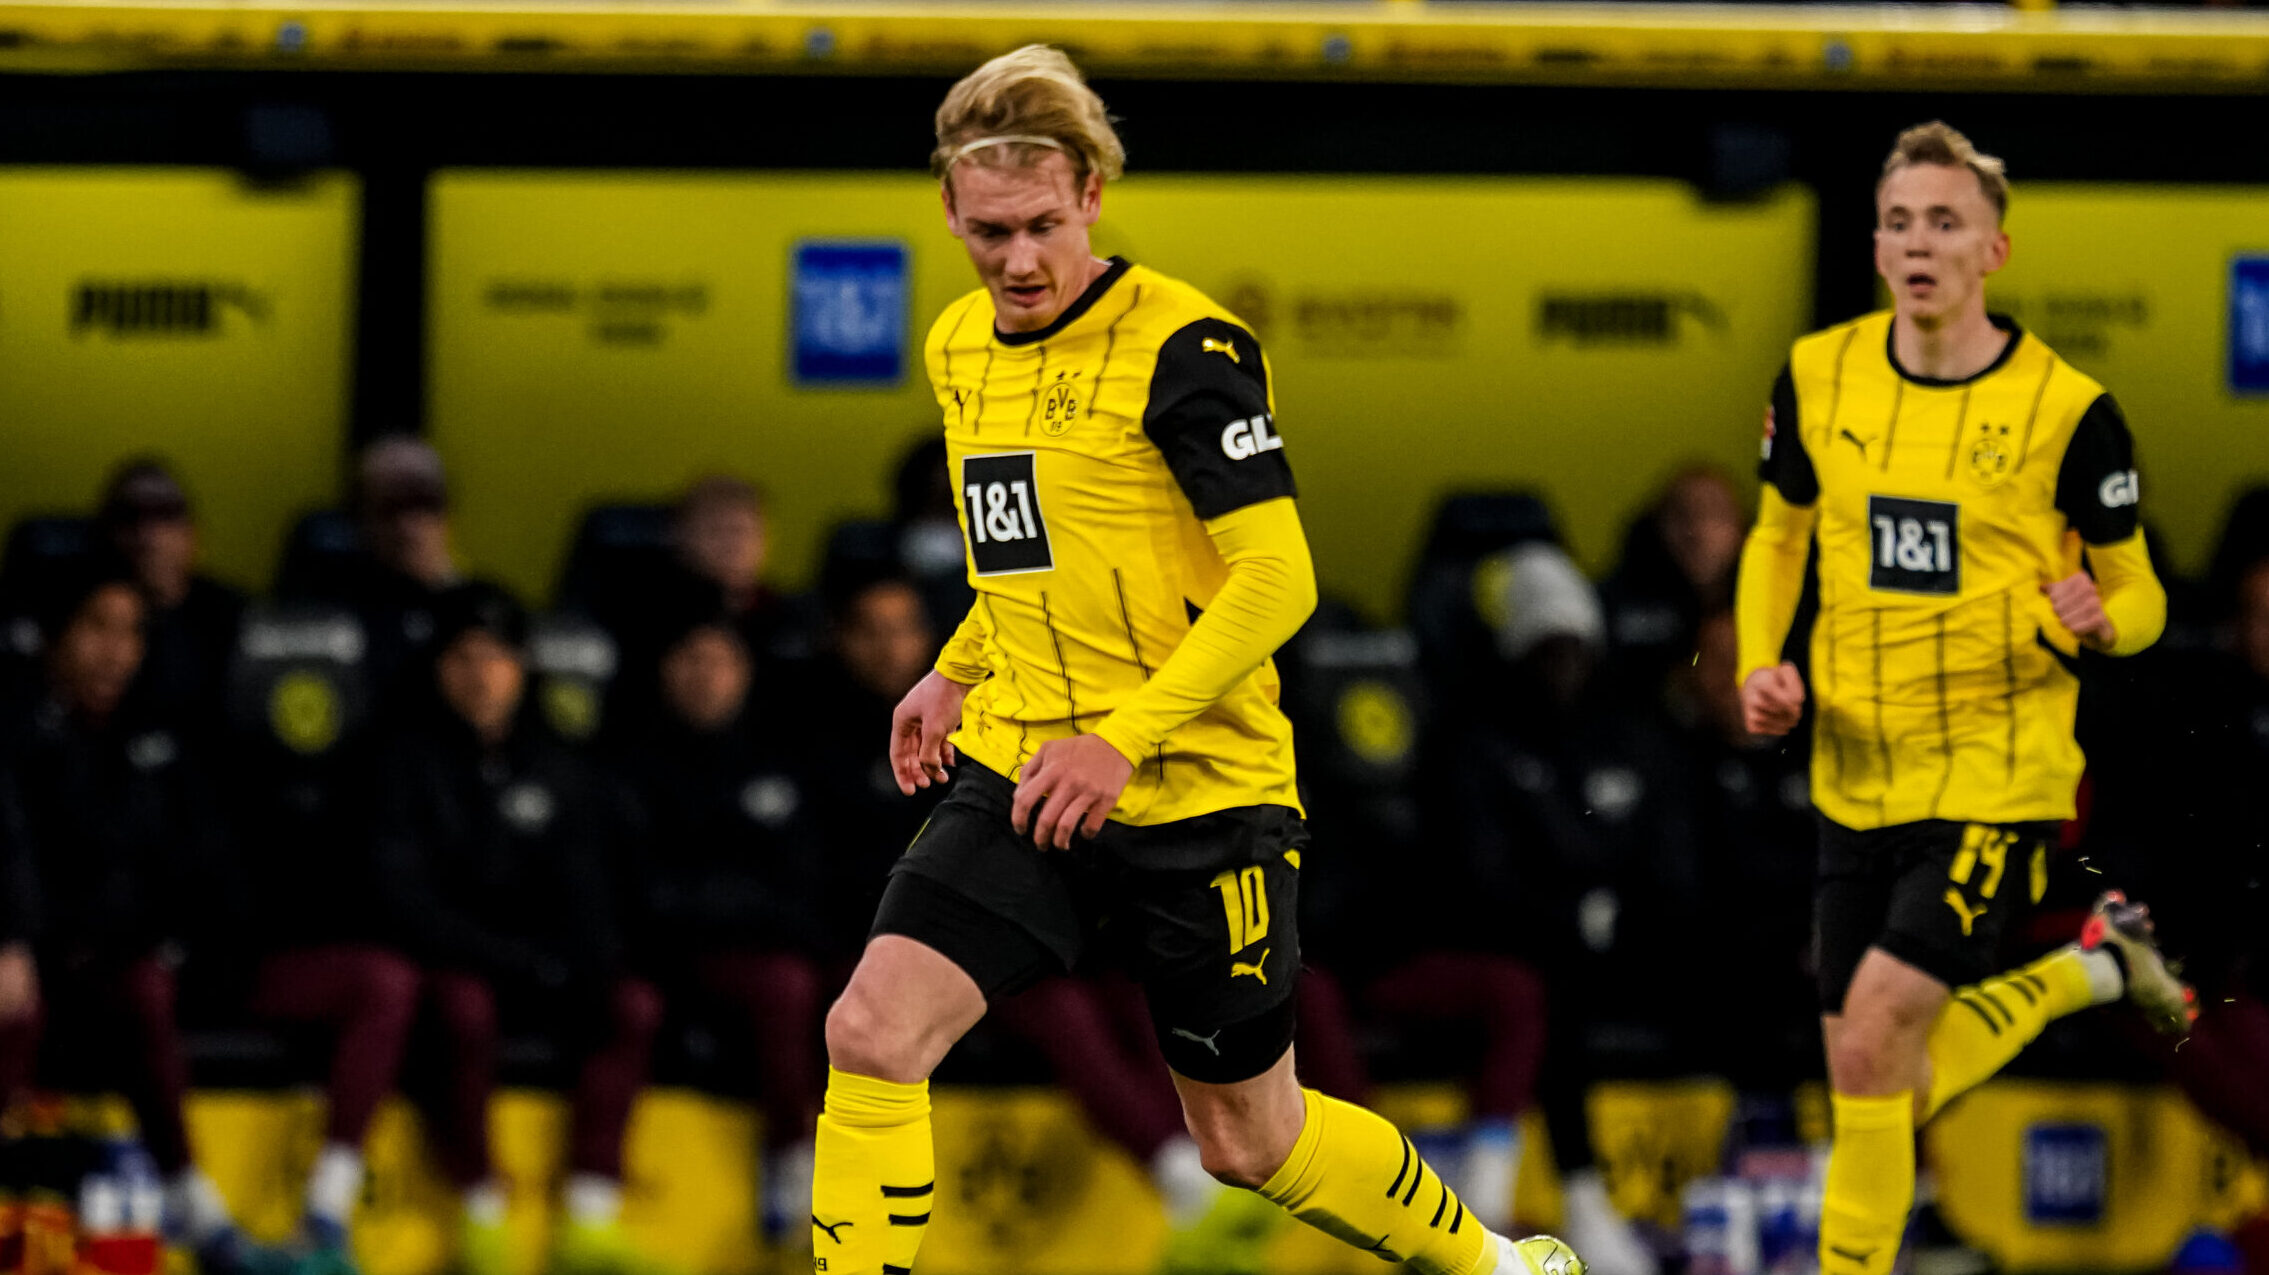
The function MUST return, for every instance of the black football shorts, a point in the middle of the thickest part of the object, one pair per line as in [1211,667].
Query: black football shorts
[1936,894]
[1203,912]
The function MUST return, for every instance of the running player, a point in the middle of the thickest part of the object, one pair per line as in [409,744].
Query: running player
[1952,470]
[1123,772]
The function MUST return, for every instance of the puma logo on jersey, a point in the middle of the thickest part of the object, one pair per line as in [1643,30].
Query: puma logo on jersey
[1238,969]
[1963,910]
[1247,438]
[1211,346]
[1856,441]
[1207,1041]
[2120,490]
[831,1230]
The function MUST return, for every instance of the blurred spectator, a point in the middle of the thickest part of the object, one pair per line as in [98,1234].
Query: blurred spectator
[926,513]
[1677,565]
[723,540]
[112,861]
[1757,833]
[880,642]
[400,502]
[2180,816]
[146,517]
[1575,851]
[492,876]
[727,869]
[1356,703]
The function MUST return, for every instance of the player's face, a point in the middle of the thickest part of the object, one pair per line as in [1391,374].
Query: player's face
[1026,230]
[1936,239]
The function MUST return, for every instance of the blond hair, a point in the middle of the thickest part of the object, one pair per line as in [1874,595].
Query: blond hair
[1020,106]
[1941,143]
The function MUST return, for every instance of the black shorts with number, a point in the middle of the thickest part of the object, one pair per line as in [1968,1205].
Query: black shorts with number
[1936,894]
[1203,912]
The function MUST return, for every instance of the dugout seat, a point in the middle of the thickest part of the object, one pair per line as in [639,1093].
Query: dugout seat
[316,553]
[38,549]
[1455,649]
[615,555]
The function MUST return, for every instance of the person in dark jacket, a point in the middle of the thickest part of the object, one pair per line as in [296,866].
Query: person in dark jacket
[1676,567]
[193,619]
[112,864]
[1572,812]
[400,502]
[492,875]
[727,868]
[1757,835]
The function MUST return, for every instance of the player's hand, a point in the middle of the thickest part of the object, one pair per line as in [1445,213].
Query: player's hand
[1074,784]
[1772,700]
[919,752]
[19,983]
[2080,608]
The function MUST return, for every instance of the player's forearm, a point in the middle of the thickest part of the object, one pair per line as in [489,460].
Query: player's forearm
[963,658]
[2133,599]
[1771,581]
[1270,592]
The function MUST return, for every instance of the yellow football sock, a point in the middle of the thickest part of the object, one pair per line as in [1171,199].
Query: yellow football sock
[874,1175]
[1870,1184]
[1355,1177]
[1988,1022]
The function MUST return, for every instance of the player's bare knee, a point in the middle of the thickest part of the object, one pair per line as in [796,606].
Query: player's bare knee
[863,1040]
[1235,1158]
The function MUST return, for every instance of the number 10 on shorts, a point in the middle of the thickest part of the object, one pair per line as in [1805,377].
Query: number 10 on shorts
[1244,900]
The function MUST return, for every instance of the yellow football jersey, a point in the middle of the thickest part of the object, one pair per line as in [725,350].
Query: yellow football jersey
[1087,456]
[1941,678]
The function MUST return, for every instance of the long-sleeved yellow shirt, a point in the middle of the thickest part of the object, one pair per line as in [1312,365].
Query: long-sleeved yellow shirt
[1132,538]
[1940,674]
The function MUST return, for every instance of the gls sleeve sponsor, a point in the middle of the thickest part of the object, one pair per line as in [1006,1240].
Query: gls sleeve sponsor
[1209,417]
[2096,488]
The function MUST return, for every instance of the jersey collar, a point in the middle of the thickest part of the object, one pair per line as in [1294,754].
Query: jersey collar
[2001,321]
[1085,301]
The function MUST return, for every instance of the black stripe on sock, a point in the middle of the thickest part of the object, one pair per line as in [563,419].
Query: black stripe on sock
[2035,980]
[1439,1209]
[1407,1151]
[2023,991]
[909,1192]
[1995,1001]
[1459,1220]
[1979,1010]
[909,1219]
[1415,1179]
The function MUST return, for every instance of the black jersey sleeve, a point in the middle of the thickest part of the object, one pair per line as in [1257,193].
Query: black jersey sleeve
[2095,487]
[1786,465]
[1209,417]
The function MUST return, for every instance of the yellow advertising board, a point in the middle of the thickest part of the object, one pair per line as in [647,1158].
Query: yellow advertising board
[612,336]
[2139,286]
[182,312]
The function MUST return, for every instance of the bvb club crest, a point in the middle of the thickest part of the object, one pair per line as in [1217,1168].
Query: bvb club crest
[1990,456]
[1059,409]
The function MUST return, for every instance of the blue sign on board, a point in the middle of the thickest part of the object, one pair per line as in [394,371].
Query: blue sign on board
[2249,324]
[2067,1174]
[850,313]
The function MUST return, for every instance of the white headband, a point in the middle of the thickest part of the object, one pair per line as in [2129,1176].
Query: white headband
[964,150]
